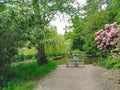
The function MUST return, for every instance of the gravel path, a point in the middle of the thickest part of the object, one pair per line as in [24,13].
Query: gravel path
[79,78]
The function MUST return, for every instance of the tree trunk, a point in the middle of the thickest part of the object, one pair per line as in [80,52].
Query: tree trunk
[41,55]
[100,5]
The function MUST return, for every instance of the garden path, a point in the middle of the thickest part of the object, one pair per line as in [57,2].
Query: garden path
[80,78]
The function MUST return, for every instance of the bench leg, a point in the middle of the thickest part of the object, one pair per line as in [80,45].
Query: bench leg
[67,65]
[76,64]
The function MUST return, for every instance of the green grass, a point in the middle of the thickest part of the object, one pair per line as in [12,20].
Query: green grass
[25,75]
[31,70]
[26,85]
[78,52]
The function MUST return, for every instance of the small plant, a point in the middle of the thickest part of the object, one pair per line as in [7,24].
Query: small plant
[116,66]
[94,64]
[110,77]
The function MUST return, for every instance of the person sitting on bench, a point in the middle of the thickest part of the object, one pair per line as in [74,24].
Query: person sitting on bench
[75,59]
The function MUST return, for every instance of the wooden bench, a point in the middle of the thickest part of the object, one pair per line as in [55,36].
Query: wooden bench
[81,57]
[70,62]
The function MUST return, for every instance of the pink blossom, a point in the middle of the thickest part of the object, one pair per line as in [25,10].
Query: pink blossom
[107,26]
[116,39]
[104,37]
[114,24]
[113,56]
[97,33]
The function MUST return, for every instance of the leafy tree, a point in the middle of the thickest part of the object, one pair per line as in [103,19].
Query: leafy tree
[13,29]
[40,14]
[77,33]
[108,39]
[114,10]
[92,24]
[55,42]
[91,7]
[13,34]
[114,4]
[44,12]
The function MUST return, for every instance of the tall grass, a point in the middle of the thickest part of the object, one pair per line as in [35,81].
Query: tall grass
[25,75]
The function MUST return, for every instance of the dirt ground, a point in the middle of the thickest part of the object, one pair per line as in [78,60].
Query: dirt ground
[80,78]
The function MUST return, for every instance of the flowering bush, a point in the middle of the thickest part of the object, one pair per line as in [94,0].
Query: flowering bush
[108,39]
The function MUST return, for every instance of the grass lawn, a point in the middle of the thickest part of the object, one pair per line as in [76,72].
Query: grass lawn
[26,75]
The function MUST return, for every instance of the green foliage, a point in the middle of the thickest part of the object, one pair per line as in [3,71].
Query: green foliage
[2,7]
[27,51]
[77,44]
[90,47]
[49,54]
[19,58]
[117,66]
[92,24]
[68,45]
[77,33]
[110,64]
[25,54]
[91,7]
[115,4]
[12,36]
[114,11]
[96,21]
[22,57]
[26,72]
[77,51]
[26,85]
[68,35]
[56,43]
[117,16]
[77,24]
[43,15]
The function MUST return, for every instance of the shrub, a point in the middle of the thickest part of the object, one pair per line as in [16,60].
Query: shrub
[110,64]
[26,72]
[23,57]
[49,54]
[108,39]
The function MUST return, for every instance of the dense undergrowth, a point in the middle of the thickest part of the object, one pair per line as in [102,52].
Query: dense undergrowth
[24,76]
[113,63]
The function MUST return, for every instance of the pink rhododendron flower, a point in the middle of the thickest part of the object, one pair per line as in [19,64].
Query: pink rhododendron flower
[116,39]
[104,37]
